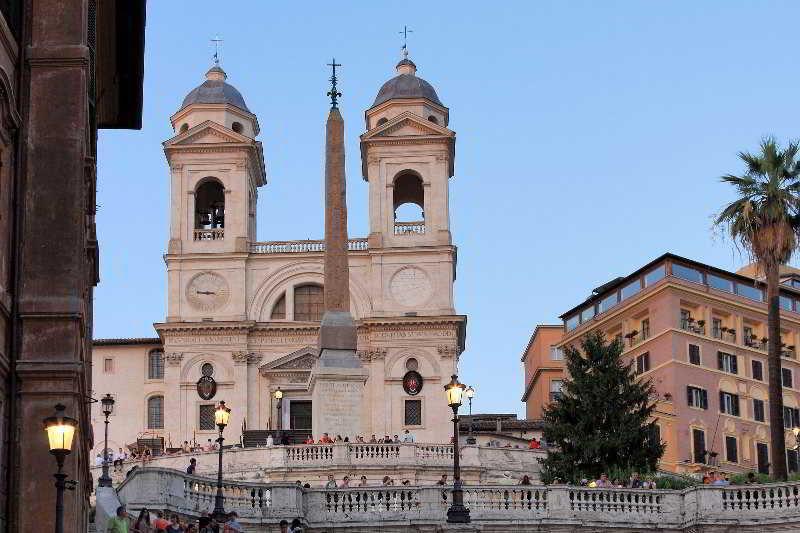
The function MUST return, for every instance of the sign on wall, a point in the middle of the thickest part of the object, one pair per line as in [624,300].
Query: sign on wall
[206,387]
[412,383]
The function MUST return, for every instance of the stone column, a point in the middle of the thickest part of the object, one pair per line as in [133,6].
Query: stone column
[177,422]
[237,399]
[253,397]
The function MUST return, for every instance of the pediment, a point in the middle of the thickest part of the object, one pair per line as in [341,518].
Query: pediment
[207,132]
[301,360]
[407,125]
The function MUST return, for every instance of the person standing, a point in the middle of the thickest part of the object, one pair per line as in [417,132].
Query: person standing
[270,441]
[408,436]
[119,523]
[192,466]
[331,484]
[174,525]
[142,524]
[284,525]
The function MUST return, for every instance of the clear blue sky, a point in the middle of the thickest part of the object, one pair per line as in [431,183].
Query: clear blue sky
[590,138]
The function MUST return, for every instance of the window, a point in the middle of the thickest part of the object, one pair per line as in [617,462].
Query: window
[786,303]
[184,127]
[413,412]
[762,457]
[308,303]
[758,369]
[749,292]
[697,397]
[382,121]
[786,377]
[729,403]
[209,201]
[279,309]
[716,328]
[791,417]
[408,197]
[572,322]
[655,275]
[108,365]
[791,460]
[237,127]
[155,412]
[645,328]
[643,363]
[685,316]
[608,302]
[699,445]
[630,289]
[719,283]
[433,119]
[207,417]
[587,314]
[727,363]
[155,364]
[689,274]
[731,449]
[555,389]
[412,365]
[758,410]
[207,369]
[694,354]
[556,353]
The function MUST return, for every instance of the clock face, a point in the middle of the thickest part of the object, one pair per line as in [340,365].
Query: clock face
[207,291]
[410,286]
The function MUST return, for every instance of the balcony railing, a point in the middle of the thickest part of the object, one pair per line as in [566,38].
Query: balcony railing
[692,326]
[216,234]
[301,247]
[501,507]
[409,228]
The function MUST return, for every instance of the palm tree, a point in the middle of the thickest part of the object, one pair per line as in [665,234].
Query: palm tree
[765,220]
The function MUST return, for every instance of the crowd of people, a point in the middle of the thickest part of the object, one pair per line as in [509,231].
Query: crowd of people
[155,522]
[406,437]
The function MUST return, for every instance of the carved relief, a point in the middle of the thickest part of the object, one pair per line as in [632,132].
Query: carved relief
[239,357]
[305,362]
[371,354]
[253,358]
[447,351]
[173,358]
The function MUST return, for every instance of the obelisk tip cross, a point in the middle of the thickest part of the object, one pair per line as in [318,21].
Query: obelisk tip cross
[217,40]
[334,93]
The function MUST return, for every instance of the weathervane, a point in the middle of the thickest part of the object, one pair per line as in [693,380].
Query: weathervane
[216,40]
[405,33]
[333,93]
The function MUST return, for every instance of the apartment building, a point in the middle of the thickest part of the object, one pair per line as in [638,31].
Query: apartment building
[543,361]
[699,333]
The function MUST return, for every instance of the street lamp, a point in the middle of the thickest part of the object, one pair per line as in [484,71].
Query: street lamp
[221,416]
[470,393]
[60,433]
[457,513]
[279,398]
[107,402]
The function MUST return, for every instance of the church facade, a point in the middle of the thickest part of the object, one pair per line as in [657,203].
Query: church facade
[243,316]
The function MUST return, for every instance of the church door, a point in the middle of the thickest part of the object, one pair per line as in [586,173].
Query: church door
[300,415]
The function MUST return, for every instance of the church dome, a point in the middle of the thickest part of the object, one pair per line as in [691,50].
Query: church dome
[215,91]
[406,85]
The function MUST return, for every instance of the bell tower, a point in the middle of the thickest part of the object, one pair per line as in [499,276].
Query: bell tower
[407,157]
[216,168]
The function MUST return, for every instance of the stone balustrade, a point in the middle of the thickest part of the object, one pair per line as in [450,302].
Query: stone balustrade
[420,463]
[749,508]
[409,228]
[307,246]
[216,234]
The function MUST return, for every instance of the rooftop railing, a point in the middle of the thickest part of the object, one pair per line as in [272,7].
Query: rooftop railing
[409,228]
[300,247]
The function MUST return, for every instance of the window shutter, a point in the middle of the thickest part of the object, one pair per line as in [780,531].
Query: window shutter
[734,364]
[719,361]
[735,405]
[689,399]
[704,394]
[721,402]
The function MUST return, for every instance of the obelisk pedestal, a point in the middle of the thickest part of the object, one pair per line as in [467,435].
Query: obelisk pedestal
[337,380]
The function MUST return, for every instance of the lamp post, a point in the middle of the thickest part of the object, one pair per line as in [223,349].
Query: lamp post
[279,398]
[457,513]
[470,393]
[107,402]
[60,432]
[221,416]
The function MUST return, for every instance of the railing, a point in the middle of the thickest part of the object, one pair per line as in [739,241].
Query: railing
[309,453]
[505,507]
[217,234]
[692,326]
[435,452]
[299,247]
[409,228]
[370,452]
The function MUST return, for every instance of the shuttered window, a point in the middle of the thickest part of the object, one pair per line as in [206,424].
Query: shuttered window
[731,450]
[696,397]
[155,412]
[727,362]
[694,354]
[729,403]
[758,410]
[758,369]
[699,445]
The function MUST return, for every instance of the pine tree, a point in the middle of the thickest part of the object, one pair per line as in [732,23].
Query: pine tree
[601,422]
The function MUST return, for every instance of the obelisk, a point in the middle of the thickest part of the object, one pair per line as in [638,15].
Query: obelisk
[337,380]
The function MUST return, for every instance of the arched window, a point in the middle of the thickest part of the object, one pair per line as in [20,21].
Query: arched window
[279,309]
[184,127]
[433,119]
[155,412]
[155,364]
[237,127]
[409,204]
[209,201]
[308,303]
[382,121]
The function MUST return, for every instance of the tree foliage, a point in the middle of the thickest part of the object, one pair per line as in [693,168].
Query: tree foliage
[602,420]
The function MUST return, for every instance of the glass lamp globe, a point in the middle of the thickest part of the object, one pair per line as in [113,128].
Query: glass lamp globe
[454,390]
[60,431]
[222,414]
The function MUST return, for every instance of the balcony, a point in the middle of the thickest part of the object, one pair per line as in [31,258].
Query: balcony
[724,334]
[693,326]
[636,337]
[409,228]
[216,234]
[303,247]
